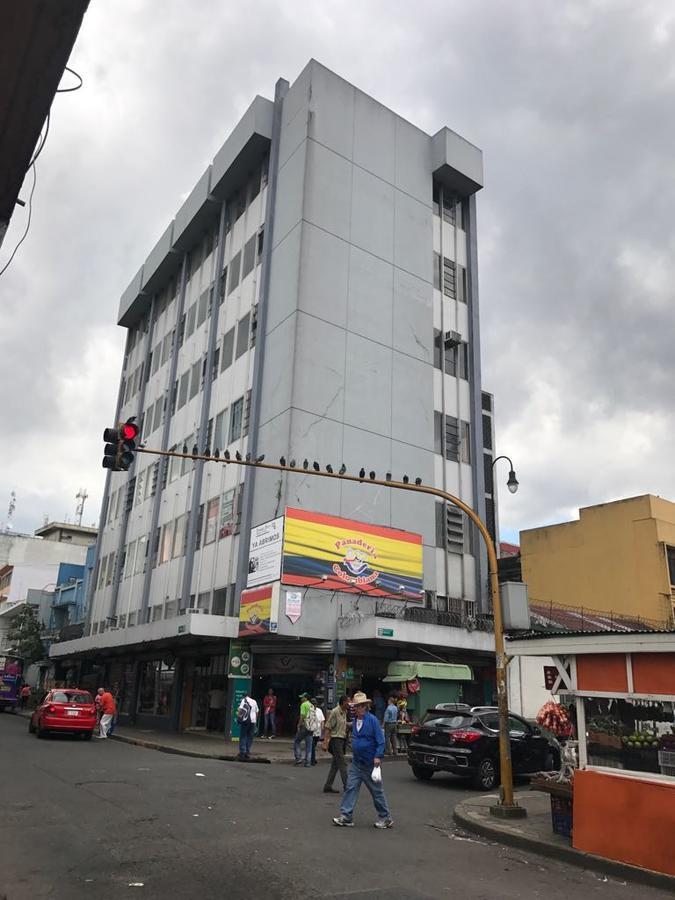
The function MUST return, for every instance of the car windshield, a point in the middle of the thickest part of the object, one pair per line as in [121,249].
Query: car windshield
[71,697]
[456,720]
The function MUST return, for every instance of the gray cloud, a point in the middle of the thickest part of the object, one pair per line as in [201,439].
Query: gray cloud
[572,106]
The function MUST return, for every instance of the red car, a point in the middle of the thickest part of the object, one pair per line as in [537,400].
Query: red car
[65,710]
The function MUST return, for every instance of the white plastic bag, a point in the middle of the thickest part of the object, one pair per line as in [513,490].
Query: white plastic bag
[376,774]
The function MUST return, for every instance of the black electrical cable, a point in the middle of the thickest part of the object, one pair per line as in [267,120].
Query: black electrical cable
[70,89]
[30,213]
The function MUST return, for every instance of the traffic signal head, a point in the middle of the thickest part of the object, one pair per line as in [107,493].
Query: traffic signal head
[118,453]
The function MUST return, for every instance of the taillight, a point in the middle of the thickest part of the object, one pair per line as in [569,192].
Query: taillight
[415,729]
[466,737]
[52,709]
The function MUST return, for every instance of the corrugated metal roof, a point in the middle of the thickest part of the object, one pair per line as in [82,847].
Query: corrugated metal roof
[539,635]
[576,619]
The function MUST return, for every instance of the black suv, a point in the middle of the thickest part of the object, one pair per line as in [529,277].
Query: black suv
[464,740]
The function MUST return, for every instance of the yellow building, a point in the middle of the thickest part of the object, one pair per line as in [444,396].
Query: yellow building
[619,557]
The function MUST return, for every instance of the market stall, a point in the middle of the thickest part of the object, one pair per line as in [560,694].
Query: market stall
[620,691]
[424,684]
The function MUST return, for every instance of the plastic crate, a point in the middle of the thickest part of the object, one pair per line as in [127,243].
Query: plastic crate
[561,816]
[667,758]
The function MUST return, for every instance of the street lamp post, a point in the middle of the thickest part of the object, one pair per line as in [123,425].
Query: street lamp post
[512,483]
[506,807]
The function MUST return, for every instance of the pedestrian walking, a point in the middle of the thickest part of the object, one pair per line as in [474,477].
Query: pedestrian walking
[247,716]
[390,720]
[367,750]
[106,703]
[334,741]
[270,714]
[304,735]
[318,728]
[24,696]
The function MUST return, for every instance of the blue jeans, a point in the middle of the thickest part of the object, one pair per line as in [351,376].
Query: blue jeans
[358,775]
[270,724]
[246,730]
[308,740]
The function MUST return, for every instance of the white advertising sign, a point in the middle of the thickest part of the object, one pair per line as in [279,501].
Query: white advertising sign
[293,605]
[264,552]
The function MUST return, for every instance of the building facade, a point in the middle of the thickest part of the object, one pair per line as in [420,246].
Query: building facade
[314,298]
[618,558]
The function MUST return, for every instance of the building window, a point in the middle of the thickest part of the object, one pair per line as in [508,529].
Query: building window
[236,418]
[455,530]
[486,401]
[670,553]
[488,473]
[261,243]
[156,687]
[222,286]
[235,265]
[159,409]
[437,271]
[440,523]
[465,442]
[141,553]
[215,363]
[166,347]
[211,521]
[463,360]
[219,601]
[438,432]
[166,543]
[449,278]
[200,527]
[247,414]
[183,389]
[179,536]
[195,379]
[227,350]
[203,307]
[448,207]
[254,326]
[204,601]
[220,430]
[191,319]
[186,462]
[249,256]
[487,432]
[242,336]
[461,284]
[181,330]
[451,438]
[226,525]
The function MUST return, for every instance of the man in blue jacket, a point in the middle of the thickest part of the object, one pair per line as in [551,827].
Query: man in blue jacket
[367,751]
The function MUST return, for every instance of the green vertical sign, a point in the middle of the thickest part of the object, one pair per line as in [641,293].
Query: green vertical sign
[239,673]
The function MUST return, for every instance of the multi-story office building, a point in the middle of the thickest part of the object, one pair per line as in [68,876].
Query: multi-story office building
[315,297]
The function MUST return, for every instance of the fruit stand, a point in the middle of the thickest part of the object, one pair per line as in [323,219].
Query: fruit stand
[620,690]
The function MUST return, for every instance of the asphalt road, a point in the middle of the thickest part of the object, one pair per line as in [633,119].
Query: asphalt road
[108,820]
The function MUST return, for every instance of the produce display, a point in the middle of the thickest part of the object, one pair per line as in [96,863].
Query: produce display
[556,718]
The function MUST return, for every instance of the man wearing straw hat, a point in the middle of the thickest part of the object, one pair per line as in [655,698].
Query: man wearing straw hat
[367,751]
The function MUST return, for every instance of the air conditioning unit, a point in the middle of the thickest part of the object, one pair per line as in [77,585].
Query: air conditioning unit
[197,611]
[452,339]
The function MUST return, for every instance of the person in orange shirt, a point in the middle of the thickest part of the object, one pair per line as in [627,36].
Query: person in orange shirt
[108,710]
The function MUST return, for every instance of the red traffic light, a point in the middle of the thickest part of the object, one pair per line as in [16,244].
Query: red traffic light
[129,431]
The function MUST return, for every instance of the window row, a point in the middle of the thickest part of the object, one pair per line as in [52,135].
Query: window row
[452,438]
[450,356]
[450,277]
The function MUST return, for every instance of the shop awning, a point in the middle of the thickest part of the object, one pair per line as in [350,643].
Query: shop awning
[407,671]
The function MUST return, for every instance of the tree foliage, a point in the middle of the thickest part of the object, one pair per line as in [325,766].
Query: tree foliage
[23,635]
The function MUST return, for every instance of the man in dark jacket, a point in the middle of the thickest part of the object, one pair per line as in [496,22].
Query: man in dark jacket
[367,751]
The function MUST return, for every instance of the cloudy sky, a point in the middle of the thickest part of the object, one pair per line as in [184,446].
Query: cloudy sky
[572,104]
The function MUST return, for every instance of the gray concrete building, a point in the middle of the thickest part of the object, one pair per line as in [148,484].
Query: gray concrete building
[316,296]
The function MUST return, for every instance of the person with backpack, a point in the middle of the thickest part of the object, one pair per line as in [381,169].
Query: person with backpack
[307,724]
[247,716]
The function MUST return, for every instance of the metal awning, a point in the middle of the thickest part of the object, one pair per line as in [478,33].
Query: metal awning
[407,671]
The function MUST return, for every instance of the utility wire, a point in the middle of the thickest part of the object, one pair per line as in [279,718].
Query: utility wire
[30,213]
[31,164]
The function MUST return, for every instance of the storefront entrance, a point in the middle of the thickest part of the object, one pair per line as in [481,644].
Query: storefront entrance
[204,693]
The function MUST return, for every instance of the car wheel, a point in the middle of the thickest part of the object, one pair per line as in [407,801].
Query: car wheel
[486,777]
[31,727]
[41,732]
[422,773]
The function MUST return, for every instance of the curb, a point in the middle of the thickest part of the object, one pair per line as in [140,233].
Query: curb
[566,854]
[175,751]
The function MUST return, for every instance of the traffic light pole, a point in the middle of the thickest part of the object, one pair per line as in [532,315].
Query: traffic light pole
[506,807]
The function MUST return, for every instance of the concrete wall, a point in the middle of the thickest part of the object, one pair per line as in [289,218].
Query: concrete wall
[611,559]
[525,680]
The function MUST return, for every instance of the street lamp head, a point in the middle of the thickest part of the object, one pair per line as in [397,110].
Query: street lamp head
[512,483]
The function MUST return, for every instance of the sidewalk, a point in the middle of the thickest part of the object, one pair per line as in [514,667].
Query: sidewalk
[208,745]
[535,833]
